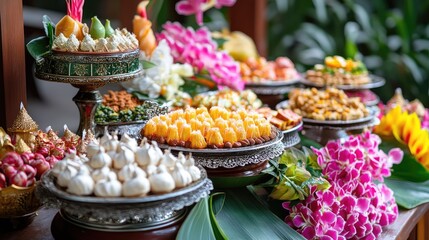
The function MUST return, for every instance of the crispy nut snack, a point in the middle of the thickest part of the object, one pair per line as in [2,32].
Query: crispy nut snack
[331,104]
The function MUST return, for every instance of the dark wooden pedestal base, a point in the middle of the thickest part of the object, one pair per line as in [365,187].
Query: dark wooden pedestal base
[64,230]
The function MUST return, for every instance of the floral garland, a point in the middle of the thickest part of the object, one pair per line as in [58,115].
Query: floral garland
[354,206]
[197,7]
[197,48]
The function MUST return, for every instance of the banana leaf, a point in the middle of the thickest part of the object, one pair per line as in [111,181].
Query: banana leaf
[197,85]
[234,182]
[408,194]
[197,224]
[38,47]
[214,208]
[243,216]
[49,27]
[147,64]
[307,142]
[409,169]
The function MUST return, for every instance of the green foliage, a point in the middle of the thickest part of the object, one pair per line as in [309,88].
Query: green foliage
[409,169]
[244,216]
[292,175]
[391,38]
[409,194]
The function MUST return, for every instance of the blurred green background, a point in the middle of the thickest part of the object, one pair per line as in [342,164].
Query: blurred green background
[390,37]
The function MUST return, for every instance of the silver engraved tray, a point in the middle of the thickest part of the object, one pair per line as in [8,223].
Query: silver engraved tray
[120,212]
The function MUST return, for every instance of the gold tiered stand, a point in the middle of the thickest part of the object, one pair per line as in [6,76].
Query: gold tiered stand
[88,72]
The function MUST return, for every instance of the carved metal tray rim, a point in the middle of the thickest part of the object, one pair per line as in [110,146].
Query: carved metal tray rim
[48,183]
[130,227]
[94,54]
[103,124]
[89,80]
[273,83]
[277,139]
[376,81]
[293,129]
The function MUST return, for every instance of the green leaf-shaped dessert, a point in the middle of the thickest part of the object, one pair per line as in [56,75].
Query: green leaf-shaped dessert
[97,29]
[108,28]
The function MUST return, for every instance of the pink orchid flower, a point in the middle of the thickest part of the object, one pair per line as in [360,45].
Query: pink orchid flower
[197,7]
[354,207]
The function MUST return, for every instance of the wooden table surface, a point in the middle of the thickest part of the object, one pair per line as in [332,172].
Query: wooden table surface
[40,229]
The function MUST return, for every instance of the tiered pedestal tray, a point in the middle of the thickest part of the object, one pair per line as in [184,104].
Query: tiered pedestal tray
[235,167]
[323,131]
[140,215]
[272,92]
[376,82]
[133,128]
[88,72]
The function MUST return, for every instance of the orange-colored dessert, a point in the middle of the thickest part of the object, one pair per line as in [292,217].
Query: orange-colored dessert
[282,119]
[217,128]
[142,28]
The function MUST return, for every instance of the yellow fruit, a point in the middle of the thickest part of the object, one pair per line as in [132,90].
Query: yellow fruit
[230,135]
[173,134]
[179,123]
[214,137]
[150,128]
[185,134]
[190,113]
[197,140]
[252,131]
[68,26]
[162,129]
[335,62]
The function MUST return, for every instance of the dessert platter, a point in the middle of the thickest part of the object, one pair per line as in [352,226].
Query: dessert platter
[270,80]
[345,74]
[216,137]
[329,114]
[122,113]
[85,57]
[229,99]
[287,121]
[120,186]
[227,144]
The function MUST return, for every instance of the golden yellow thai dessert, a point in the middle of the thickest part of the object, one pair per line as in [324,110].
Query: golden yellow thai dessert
[329,104]
[215,128]
[339,71]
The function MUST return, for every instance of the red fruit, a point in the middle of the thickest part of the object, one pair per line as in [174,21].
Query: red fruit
[3,182]
[52,160]
[29,170]
[12,159]
[43,150]
[41,167]
[9,171]
[20,179]
[27,157]
[58,153]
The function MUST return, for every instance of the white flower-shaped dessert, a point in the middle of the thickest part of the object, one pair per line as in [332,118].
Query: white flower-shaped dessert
[88,44]
[72,44]
[101,45]
[59,42]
